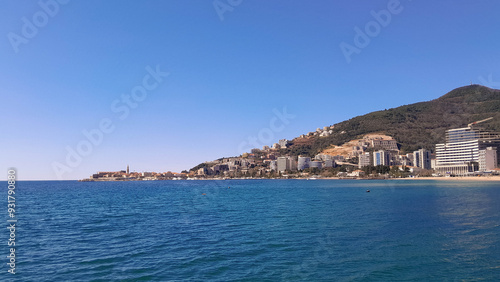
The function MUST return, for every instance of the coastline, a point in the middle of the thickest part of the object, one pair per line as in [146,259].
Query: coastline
[460,178]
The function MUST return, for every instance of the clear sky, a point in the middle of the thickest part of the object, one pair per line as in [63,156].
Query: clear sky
[69,67]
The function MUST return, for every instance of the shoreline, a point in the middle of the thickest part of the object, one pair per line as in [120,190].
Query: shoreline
[458,178]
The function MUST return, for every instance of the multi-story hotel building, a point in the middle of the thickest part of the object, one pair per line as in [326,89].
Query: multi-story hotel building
[460,154]
[389,145]
[422,159]
[364,160]
[303,162]
[286,163]
[381,157]
[488,159]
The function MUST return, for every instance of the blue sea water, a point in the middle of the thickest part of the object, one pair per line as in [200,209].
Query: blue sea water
[255,230]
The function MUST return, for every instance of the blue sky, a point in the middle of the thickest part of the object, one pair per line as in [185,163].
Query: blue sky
[229,72]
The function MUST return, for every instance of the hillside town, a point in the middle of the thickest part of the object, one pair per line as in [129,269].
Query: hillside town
[469,151]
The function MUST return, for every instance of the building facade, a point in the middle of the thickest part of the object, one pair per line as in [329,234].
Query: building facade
[422,159]
[381,157]
[364,160]
[283,164]
[273,165]
[389,145]
[286,163]
[460,154]
[329,163]
[283,143]
[316,164]
[303,162]
[488,159]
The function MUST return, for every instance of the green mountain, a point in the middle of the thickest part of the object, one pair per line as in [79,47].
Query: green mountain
[419,125]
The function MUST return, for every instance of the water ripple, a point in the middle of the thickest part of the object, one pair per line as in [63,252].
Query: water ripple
[275,230]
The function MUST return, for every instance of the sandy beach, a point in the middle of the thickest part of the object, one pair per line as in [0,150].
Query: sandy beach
[461,178]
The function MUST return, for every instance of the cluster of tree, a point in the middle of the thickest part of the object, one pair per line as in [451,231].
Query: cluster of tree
[393,171]
[298,150]
[381,169]
[202,165]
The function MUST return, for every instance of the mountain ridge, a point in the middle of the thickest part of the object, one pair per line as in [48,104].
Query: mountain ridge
[414,126]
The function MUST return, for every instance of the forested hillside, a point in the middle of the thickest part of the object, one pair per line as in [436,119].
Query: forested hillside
[419,125]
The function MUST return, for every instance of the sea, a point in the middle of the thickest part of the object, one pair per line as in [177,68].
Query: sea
[254,230]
